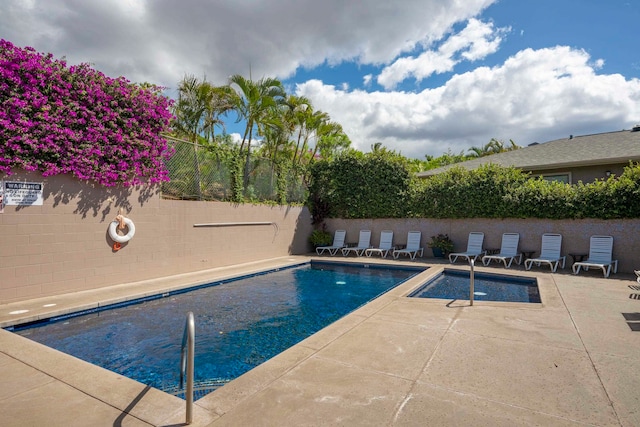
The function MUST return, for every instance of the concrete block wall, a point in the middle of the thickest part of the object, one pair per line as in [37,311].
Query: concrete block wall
[64,246]
[576,233]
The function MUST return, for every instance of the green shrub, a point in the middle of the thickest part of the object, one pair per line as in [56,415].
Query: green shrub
[357,185]
[442,242]
[461,193]
[377,185]
[320,238]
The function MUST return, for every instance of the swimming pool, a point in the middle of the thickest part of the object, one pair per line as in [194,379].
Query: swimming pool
[454,284]
[240,323]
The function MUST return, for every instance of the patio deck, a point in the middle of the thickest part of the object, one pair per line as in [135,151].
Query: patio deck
[571,361]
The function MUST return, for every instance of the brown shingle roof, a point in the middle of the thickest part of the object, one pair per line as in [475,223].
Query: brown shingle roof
[585,150]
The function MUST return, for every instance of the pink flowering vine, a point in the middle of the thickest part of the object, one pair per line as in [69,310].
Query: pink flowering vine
[57,119]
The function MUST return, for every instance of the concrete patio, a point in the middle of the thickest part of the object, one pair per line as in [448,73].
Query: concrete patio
[571,361]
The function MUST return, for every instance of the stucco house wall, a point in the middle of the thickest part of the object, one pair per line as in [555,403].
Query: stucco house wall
[64,246]
[585,157]
[586,174]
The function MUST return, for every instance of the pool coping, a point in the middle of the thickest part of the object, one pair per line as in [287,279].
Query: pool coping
[158,408]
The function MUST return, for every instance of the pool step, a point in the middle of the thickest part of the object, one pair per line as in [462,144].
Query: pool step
[200,389]
[633,320]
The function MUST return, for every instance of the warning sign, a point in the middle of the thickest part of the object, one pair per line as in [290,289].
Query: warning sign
[22,193]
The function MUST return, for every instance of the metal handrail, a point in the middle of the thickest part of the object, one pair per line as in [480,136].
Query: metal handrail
[187,357]
[232,224]
[471,281]
[236,224]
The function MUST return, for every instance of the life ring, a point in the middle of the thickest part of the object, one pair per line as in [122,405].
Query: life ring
[120,238]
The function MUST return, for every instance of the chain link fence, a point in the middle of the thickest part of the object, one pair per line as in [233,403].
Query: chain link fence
[197,172]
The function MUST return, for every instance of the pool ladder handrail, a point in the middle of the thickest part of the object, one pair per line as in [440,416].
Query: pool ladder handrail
[187,357]
[471,280]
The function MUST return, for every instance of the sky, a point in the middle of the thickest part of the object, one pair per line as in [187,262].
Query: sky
[422,77]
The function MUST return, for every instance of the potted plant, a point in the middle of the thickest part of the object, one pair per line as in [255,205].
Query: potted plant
[320,238]
[441,245]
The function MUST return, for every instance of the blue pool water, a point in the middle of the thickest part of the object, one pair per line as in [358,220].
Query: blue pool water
[239,324]
[454,284]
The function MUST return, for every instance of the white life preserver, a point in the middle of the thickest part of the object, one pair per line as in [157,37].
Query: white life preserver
[113,233]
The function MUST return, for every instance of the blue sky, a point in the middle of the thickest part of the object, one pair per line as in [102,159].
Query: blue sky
[420,76]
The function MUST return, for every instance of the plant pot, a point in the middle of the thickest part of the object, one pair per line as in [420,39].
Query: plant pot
[437,252]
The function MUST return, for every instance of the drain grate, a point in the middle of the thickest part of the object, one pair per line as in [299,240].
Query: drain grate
[634,296]
[634,287]
[633,320]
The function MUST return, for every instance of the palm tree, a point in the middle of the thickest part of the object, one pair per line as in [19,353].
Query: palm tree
[221,100]
[190,107]
[254,101]
[331,139]
[378,147]
[494,146]
[190,111]
[281,124]
[313,121]
[477,152]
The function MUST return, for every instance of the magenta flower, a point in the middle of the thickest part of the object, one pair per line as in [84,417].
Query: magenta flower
[57,119]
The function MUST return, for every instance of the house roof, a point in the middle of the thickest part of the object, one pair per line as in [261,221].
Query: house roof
[583,150]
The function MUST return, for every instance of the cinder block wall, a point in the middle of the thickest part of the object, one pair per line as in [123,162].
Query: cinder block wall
[576,233]
[63,245]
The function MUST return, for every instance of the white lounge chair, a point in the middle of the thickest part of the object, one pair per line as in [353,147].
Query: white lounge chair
[338,243]
[508,251]
[413,246]
[364,242]
[386,244]
[549,253]
[600,254]
[474,248]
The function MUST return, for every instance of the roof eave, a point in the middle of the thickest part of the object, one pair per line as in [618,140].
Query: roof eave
[594,162]
[582,163]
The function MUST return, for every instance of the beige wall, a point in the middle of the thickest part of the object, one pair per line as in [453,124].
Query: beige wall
[63,245]
[586,174]
[576,233]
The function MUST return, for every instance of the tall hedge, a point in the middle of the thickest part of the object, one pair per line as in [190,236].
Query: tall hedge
[460,193]
[357,185]
[366,186]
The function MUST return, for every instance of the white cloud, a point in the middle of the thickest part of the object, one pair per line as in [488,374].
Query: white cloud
[476,41]
[531,97]
[237,138]
[162,40]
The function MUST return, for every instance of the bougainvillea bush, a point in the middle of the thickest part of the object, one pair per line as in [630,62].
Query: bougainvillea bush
[58,119]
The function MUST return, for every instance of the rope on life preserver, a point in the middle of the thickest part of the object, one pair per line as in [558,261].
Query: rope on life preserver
[121,222]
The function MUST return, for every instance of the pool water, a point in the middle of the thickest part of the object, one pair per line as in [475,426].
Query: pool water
[454,284]
[239,323]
